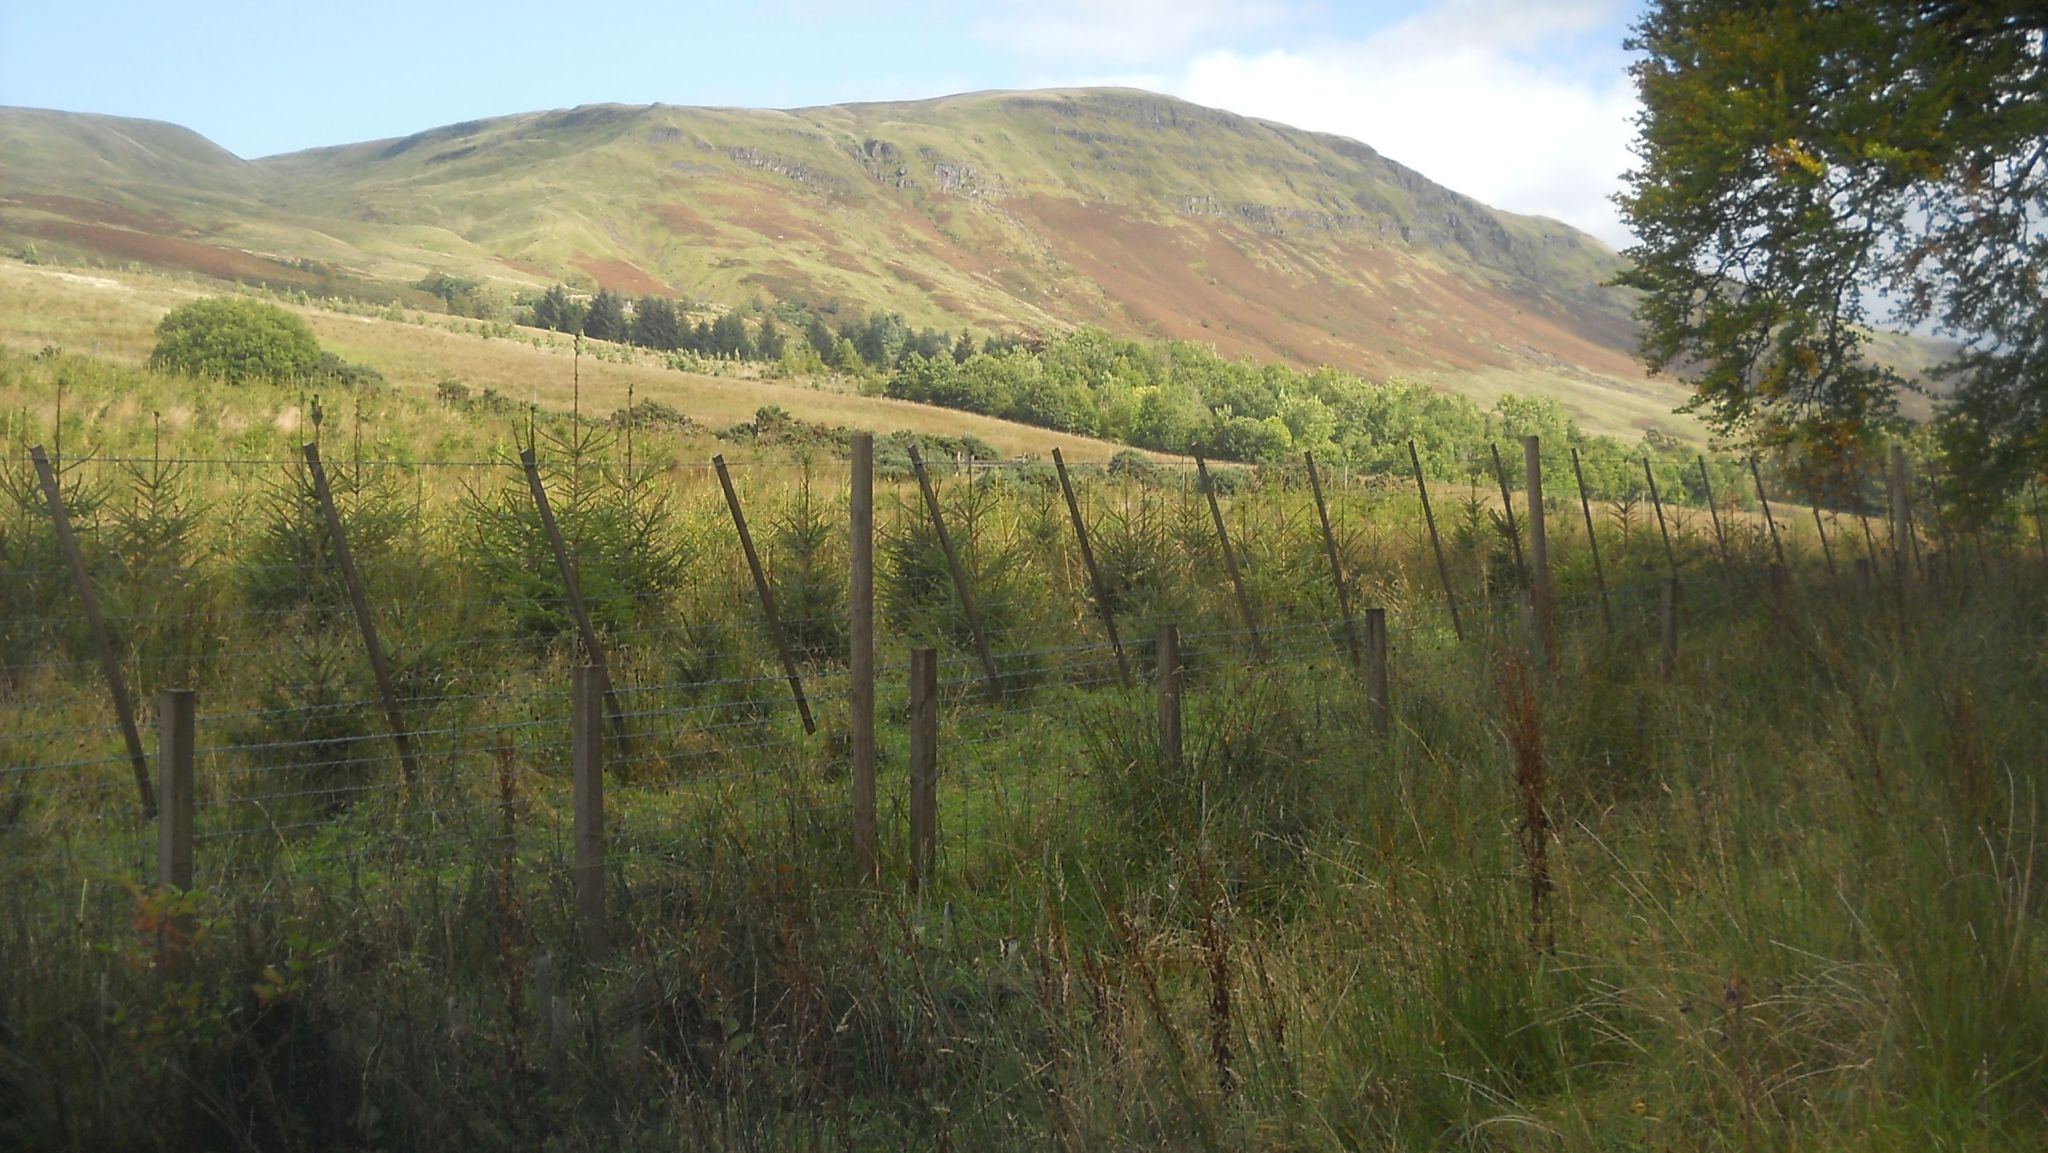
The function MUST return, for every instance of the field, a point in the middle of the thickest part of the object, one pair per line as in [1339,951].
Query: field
[1771,888]
[110,314]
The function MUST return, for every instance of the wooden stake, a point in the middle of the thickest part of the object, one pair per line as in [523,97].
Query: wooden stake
[1593,543]
[592,651]
[1507,502]
[1170,672]
[176,744]
[1436,544]
[924,765]
[991,676]
[1668,618]
[767,595]
[1904,543]
[1336,566]
[1770,522]
[1378,705]
[110,668]
[586,766]
[2040,523]
[1827,550]
[1123,664]
[1720,537]
[1539,549]
[1657,503]
[1244,603]
[861,654]
[359,604]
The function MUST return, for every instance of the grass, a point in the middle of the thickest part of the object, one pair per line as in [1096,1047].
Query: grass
[1790,900]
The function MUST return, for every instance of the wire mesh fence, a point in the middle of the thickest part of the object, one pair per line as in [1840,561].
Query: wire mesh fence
[223,576]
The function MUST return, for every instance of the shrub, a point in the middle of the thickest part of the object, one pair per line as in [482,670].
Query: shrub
[235,339]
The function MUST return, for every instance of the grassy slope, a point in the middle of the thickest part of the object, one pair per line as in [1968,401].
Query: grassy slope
[997,210]
[112,314]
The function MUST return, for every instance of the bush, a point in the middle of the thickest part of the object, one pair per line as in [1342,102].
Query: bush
[235,339]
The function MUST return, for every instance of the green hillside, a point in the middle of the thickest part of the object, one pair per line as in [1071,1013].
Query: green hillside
[998,211]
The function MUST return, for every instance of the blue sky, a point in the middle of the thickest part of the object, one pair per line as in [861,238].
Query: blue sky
[1524,105]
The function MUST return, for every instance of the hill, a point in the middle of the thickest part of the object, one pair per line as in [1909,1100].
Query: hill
[998,211]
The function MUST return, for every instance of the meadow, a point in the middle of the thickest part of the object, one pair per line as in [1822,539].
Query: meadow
[1775,893]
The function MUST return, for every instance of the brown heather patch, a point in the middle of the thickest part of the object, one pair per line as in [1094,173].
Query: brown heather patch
[623,276]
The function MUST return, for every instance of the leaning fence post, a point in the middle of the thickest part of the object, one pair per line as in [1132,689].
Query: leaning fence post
[1336,567]
[110,668]
[574,589]
[1656,502]
[1714,510]
[1244,603]
[1827,549]
[924,765]
[1116,645]
[861,651]
[989,671]
[586,764]
[1436,544]
[1593,543]
[767,595]
[1770,522]
[1168,662]
[176,744]
[2040,523]
[359,603]
[1378,705]
[1507,503]
[1539,548]
[1668,620]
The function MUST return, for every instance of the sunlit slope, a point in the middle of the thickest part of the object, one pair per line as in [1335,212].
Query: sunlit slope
[1035,211]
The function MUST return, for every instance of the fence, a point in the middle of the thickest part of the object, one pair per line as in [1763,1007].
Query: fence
[605,658]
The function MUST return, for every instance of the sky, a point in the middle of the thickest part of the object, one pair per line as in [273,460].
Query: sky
[1526,106]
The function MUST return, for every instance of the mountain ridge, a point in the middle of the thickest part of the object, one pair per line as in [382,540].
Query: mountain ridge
[1036,210]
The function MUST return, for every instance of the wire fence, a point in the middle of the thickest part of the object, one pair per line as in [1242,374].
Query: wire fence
[223,577]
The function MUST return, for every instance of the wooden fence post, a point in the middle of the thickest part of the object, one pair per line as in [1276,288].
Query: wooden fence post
[1770,522]
[1336,566]
[992,676]
[176,745]
[2040,523]
[1378,704]
[767,595]
[1539,550]
[1436,544]
[117,687]
[861,657]
[924,765]
[1123,664]
[1668,619]
[586,765]
[1903,544]
[592,651]
[1168,662]
[1507,503]
[1539,541]
[1244,603]
[366,625]
[1720,537]
[1827,549]
[1593,543]
[1657,503]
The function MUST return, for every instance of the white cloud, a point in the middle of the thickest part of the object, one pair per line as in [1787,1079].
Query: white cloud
[1466,93]
[1122,32]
